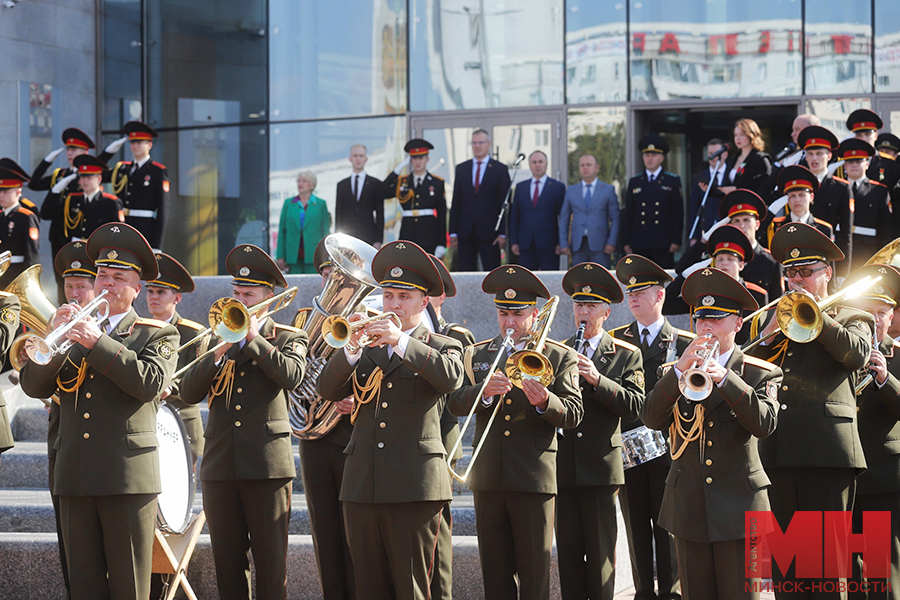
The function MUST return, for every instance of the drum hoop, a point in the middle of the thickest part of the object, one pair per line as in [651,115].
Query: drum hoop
[161,523]
[641,431]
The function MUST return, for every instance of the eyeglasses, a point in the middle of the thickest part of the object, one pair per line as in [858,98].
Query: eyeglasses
[479,143]
[792,272]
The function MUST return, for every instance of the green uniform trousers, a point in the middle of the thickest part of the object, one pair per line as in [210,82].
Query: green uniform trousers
[395,542]
[515,540]
[109,545]
[586,541]
[713,570]
[442,581]
[878,502]
[250,515]
[59,535]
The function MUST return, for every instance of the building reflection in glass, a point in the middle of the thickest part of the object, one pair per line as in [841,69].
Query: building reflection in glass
[838,47]
[887,46]
[596,51]
[833,112]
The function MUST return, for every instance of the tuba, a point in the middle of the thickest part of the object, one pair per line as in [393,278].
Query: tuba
[350,281]
[37,311]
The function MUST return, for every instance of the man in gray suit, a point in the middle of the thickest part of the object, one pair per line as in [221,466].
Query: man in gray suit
[590,213]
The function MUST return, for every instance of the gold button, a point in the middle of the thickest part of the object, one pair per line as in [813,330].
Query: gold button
[87,436]
[237,423]
[709,442]
[508,401]
[710,424]
[237,407]
[784,388]
[506,433]
[253,362]
[507,417]
[88,395]
[239,390]
[87,415]
[92,376]
[790,353]
[709,480]
[390,385]
[579,434]
[708,462]
[382,424]
[241,373]
[384,405]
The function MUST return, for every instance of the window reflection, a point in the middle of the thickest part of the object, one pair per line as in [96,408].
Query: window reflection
[473,54]
[833,112]
[337,58]
[596,51]
[714,49]
[601,132]
[122,44]
[838,47]
[887,46]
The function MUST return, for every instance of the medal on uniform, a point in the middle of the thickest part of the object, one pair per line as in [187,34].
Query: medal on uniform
[147,180]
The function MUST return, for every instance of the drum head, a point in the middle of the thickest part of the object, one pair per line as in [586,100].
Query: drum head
[641,445]
[174,503]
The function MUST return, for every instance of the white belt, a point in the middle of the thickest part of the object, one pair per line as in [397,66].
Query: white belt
[869,231]
[16,259]
[420,212]
[134,212]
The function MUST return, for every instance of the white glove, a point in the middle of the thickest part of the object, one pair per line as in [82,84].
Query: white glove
[723,221]
[776,206]
[403,164]
[440,251]
[117,145]
[52,156]
[63,183]
[696,267]
[833,167]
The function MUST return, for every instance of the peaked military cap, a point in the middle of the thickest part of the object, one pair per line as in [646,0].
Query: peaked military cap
[797,177]
[76,138]
[514,287]
[172,275]
[743,202]
[816,136]
[121,246]
[653,143]
[137,131]
[863,119]
[72,260]
[418,147]
[715,294]
[250,266]
[11,165]
[10,179]
[404,265]
[855,148]
[885,140]
[729,239]
[799,244]
[446,279]
[591,282]
[638,273]
[89,165]
[887,289]
[321,258]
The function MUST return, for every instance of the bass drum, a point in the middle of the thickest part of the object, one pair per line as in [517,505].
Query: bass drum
[642,444]
[176,470]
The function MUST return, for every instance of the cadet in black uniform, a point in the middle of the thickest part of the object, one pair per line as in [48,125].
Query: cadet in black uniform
[872,212]
[93,206]
[747,212]
[654,210]
[142,184]
[19,227]
[800,185]
[422,200]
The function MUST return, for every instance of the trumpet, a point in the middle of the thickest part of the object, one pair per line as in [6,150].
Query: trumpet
[338,331]
[695,383]
[42,350]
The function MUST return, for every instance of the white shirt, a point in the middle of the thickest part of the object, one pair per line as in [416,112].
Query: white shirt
[800,219]
[654,174]
[7,211]
[400,348]
[653,329]
[590,345]
[540,186]
[860,181]
[94,196]
[359,184]
[717,173]
[822,175]
[484,162]
[140,163]
[114,322]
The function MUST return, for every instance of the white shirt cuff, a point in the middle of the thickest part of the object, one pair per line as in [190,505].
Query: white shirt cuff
[352,359]
[881,385]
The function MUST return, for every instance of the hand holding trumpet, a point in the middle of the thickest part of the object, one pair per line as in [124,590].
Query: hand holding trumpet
[696,353]
[384,331]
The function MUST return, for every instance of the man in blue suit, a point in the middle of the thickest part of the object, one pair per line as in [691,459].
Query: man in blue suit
[589,219]
[479,191]
[533,233]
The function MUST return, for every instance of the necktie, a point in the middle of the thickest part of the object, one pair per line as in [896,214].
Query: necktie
[534,199]
[587,193]
[652,177]
[855,188]
[645,339]
[477,176]
[356,186]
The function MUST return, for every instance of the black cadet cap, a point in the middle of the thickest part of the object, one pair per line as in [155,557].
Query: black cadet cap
[591,282]
[799,244]
[653,143]
[89,165]
[797,177]
[77,139]
[742,202]
[887,289]
[137,131]
[404,265]
[12,179]
[446,279]
[250,266]
[418,147]
[172,275]
[72,260]
[715,294]
[854,149]
[885,140]
[816,136]
[514,287]
[120,246]
[638,273]
[11,165]
[321,258]
[863,119]
[732,240]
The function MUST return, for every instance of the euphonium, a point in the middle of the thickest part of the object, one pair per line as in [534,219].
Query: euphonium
[5,261]
[37,310]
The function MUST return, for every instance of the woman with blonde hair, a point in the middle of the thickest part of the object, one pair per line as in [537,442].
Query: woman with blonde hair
[747,166]
[304,221]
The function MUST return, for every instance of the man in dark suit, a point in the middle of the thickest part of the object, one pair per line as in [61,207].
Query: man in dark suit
[479,192]
[589,219]
[641,497]
[514,478]
[359,207]
[395,479]
[716,474]
[715,173]
[589,468]
[533,234]
[654,211]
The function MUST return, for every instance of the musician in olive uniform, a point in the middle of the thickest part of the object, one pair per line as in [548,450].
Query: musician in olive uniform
[654,210]
[878,489]
[9,325]
[142,184]
[800,186]
[109,383]
[163,295]
[815,455]
[589,468]
[395,479]
[19,226]
[641,497]
[248,462]
[421,196]
[514,477]
[93,206]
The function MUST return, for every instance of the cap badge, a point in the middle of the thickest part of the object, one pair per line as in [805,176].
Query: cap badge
[706,272]
[396,272]
[628,261]
[588,268]
[586,289]
[632,280]
[725,245]
[651,147]
[511,271]
[510,293]
[708,301]
[115,229]
[112,255]
[76,245]
[795,253]
[739,207]
[792,229]
[879,289]
[248,249]
[75,264]
[244,271]
[400,246]
[882,270]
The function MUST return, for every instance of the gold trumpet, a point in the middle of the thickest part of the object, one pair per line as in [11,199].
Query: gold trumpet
[338,331]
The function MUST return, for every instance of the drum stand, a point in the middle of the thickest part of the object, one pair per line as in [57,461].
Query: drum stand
[172,553]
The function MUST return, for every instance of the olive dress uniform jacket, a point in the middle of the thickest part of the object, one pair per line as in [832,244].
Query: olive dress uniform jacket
[189,413]
[817,422]
[145,189]
[519,454]
[591,454]
[9,321]
[705,499]
[20,234]
[107,441]
[395,453]
[449,422]
[428,227]
[250,438]
[654,212]
[879,428]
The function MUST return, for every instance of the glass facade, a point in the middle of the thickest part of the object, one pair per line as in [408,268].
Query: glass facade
[887,46]
[838,47]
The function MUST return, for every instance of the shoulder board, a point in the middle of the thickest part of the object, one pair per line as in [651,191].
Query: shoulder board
[625,344]
[619,328]
[160,165]
[445,338]
[821,222]
[436,177]
[73,194]
[481,343]
[24,210]
[6,295]
[560,344]
[670,174]
[840,179]
[873,182]
[752,286]
[287,328]
[28,204]
[110,196]
[638,176]
[191,324]
[124,163]
[758,362]
[460,329]
[779,219]
[151,322]
[685,334]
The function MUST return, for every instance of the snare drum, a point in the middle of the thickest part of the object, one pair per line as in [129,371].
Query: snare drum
[176,501]
[641,445]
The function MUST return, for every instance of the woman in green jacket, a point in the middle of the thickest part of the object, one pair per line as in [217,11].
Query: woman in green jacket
[304,221]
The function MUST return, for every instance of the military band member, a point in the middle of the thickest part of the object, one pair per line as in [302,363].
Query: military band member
[514,478]
[93,206]
[9,323]
[163,295]
[716,473]
[142,184]
[421,196]
[109,383]
[589,468]
[641,497]
[878,489]
[248,461]
[395,479]
[800,185]
[815,455]
[19,226]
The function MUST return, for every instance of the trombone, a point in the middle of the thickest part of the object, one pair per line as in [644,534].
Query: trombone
[337,331]
[695,383]
[42,350]
[229,319]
